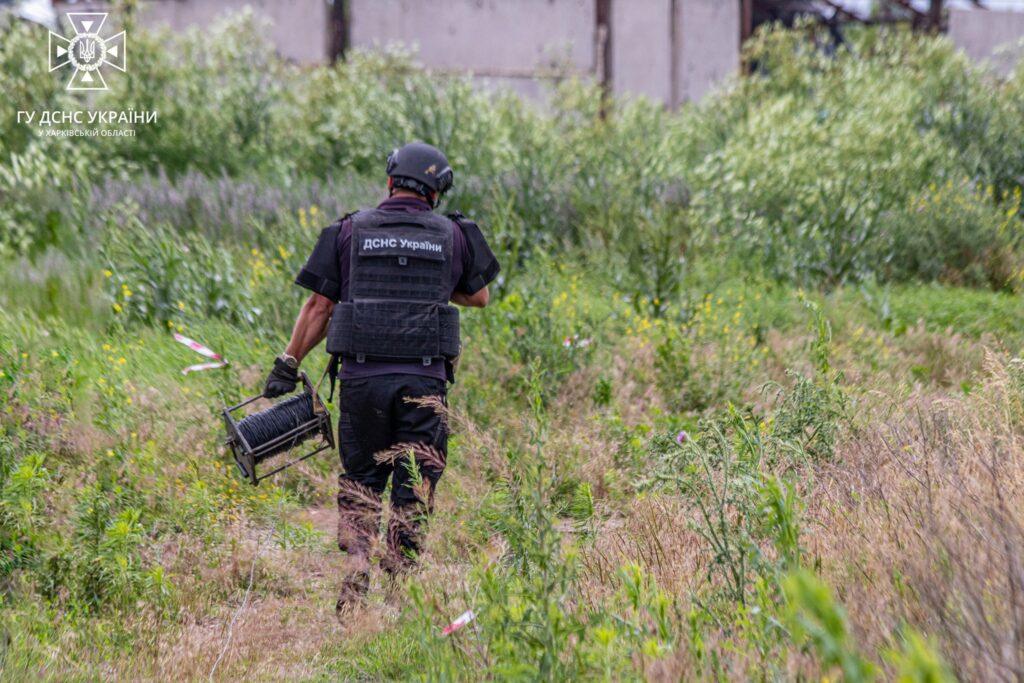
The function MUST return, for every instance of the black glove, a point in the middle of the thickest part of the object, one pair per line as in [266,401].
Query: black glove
[281,380]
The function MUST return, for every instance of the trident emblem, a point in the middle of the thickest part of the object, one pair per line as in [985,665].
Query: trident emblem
[87,51]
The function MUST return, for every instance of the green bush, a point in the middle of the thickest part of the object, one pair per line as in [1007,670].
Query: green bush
[32,184]
[25,82]
[815,181]
[222,98]
[710,357]
[960,235]
[810,171]
[157,275]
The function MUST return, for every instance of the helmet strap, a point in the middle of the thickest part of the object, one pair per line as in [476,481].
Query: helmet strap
[415,187]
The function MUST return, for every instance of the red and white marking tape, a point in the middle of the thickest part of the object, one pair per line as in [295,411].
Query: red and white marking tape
[203,351]
[202,366]
[463,619]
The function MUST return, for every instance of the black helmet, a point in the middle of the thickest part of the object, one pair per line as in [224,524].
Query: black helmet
[421,168]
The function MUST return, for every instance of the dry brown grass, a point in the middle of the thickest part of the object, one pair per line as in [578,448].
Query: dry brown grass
[920,520]
[654,532]
[279,633]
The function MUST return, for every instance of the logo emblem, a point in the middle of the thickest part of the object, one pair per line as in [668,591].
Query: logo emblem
[431,170]
[87,51]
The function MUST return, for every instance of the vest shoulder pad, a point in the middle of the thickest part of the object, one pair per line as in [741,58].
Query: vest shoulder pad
[484,266]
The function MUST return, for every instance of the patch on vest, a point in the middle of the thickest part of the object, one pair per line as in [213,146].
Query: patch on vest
[381,244]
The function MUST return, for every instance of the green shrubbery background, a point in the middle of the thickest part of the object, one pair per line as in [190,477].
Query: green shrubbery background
[816,170]
[708,323]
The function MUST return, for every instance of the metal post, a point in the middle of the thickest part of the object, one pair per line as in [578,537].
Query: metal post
[746,28]
[340,25]
[674,53]
[935,16]
[603,52]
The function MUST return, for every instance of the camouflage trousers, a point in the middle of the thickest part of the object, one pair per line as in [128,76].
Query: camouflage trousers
[390,427]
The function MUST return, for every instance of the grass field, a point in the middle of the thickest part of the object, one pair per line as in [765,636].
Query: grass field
[747,404]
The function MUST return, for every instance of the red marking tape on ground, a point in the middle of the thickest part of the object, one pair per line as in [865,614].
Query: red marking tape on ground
[197,347]
[463,619]
[201,350]
[202,366]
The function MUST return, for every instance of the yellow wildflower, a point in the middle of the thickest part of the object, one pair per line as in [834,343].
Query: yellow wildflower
[117,307]
[108,273]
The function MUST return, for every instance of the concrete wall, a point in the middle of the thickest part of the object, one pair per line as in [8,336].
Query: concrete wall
[513,42]
[710,34]
[642,48]
[988,35]
[494,36]
[507,44]
[299,27]
[671,51]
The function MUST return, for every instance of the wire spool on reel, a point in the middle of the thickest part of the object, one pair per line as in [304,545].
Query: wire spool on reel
[286,417]
[278,429]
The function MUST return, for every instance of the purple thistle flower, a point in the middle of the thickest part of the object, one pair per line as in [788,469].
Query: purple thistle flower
[682,437]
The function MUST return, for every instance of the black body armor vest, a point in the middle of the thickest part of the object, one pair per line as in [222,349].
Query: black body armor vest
[397,308]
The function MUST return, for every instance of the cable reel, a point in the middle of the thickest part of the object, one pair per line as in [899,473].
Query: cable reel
[277,430]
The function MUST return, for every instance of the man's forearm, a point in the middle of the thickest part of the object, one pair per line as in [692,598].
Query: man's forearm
[310,327]
[478,300]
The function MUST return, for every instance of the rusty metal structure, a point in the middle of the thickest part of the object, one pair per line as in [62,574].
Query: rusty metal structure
[928,17]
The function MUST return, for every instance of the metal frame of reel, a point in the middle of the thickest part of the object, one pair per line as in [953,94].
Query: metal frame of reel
[248,456]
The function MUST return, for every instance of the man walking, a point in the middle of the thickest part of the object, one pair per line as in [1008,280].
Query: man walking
[382,281]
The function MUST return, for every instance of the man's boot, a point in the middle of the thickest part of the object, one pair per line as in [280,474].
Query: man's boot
[403,540]
[358,517]
[353,590]
[358,520]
